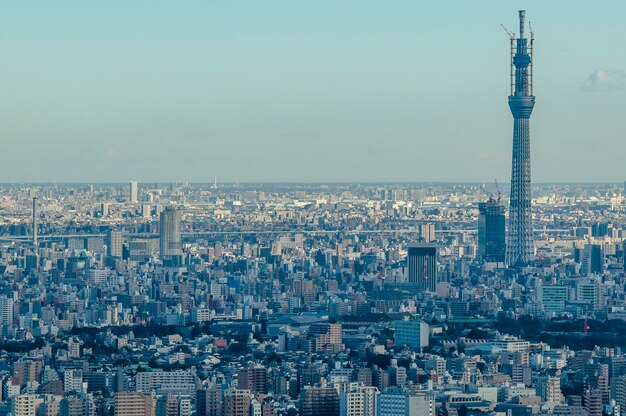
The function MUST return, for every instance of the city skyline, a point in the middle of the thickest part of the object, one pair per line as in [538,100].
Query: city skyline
[362,96]
[303,209]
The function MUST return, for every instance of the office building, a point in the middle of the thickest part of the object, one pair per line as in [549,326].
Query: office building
[412,333]
[319,401]
[592,261]
[553,298]
[422,266]
[133,192]
[520,243]
[114,243]
[491,231]
[170,239]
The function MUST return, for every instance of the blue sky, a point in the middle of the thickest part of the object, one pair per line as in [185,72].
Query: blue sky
[304,90]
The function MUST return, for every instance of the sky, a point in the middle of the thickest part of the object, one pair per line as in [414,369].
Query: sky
[305,91]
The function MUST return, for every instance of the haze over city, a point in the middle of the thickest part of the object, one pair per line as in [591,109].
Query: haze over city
[312,209]
[303,91]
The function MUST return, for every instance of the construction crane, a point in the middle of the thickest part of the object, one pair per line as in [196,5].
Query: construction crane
[498,191]
[508,32]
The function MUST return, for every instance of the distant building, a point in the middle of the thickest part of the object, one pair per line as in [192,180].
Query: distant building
[427,232]
[592,261]
[170,243]
[412,333]
[492,231]
[553,298]
[114,243]
[422,265]
[133,192]
[6,310]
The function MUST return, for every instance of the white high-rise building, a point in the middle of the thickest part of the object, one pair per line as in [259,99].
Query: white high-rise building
[133,192]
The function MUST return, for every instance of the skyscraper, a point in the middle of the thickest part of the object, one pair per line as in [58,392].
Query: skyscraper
[520,246]
[422,264]
[170,243]
[114,243]
[491,230]
[133,192]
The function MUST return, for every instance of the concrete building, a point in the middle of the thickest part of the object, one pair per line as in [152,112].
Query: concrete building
[170,239]
[237,402]
[422,266]
[133,192]
[413,333]
[134,404]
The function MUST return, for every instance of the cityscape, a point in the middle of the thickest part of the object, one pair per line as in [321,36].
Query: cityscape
[312,298]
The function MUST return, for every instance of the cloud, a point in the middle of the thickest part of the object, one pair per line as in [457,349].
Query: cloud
[605,80]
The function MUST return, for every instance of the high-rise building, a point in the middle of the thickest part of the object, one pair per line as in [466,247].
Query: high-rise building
[237,402]
[114,243]
[134,404]
[133,192]
[491,231]
[427,232]
[592,402]
[592,261]
[6,310]
[253,378]
[170,243]
[319,401]
[422,265]
[35,223]
[209,402]
[520,244]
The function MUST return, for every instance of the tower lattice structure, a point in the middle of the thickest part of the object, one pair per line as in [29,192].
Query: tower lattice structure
[520,242]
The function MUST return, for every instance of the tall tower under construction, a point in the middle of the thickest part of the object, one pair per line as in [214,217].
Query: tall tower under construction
[520,245]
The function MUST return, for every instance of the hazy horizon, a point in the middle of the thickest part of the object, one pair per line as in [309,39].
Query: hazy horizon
[294,92]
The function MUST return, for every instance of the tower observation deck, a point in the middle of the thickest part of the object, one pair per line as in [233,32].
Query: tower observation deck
[520,244]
